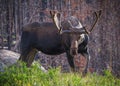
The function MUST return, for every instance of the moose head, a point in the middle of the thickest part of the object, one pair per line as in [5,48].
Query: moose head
[73,27]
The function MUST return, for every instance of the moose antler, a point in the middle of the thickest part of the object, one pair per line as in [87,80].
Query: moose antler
[97,14]
[55,15]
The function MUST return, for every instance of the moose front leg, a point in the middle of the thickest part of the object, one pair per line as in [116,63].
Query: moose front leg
[70,61]
[73,62]
[87,56]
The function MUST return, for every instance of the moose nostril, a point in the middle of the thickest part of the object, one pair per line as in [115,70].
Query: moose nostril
[74,52]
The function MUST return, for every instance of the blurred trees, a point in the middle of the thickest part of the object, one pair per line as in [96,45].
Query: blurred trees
[104,40]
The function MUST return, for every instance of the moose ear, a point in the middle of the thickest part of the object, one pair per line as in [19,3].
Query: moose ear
[56,19]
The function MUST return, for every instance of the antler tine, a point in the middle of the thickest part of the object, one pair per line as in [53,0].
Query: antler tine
[100,12]
[52,13]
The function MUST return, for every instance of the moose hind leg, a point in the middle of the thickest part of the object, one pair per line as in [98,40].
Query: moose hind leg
[24,53]
[28,56]
[31,56]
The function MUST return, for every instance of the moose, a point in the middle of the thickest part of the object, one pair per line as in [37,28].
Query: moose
[54,38]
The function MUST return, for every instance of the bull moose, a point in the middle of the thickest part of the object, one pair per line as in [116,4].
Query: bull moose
[55,38]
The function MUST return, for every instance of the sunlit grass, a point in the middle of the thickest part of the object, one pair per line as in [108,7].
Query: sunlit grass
[33,76]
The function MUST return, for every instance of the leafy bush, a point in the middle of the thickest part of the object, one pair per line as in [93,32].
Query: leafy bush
[20,75]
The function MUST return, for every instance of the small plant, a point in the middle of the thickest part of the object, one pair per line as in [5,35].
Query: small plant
[20,75]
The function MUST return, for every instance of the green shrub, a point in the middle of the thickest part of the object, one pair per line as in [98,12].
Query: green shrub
[20,75]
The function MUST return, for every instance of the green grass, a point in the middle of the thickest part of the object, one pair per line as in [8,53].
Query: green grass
[33,76]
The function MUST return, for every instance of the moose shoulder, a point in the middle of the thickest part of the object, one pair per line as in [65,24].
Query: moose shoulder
[55,38]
